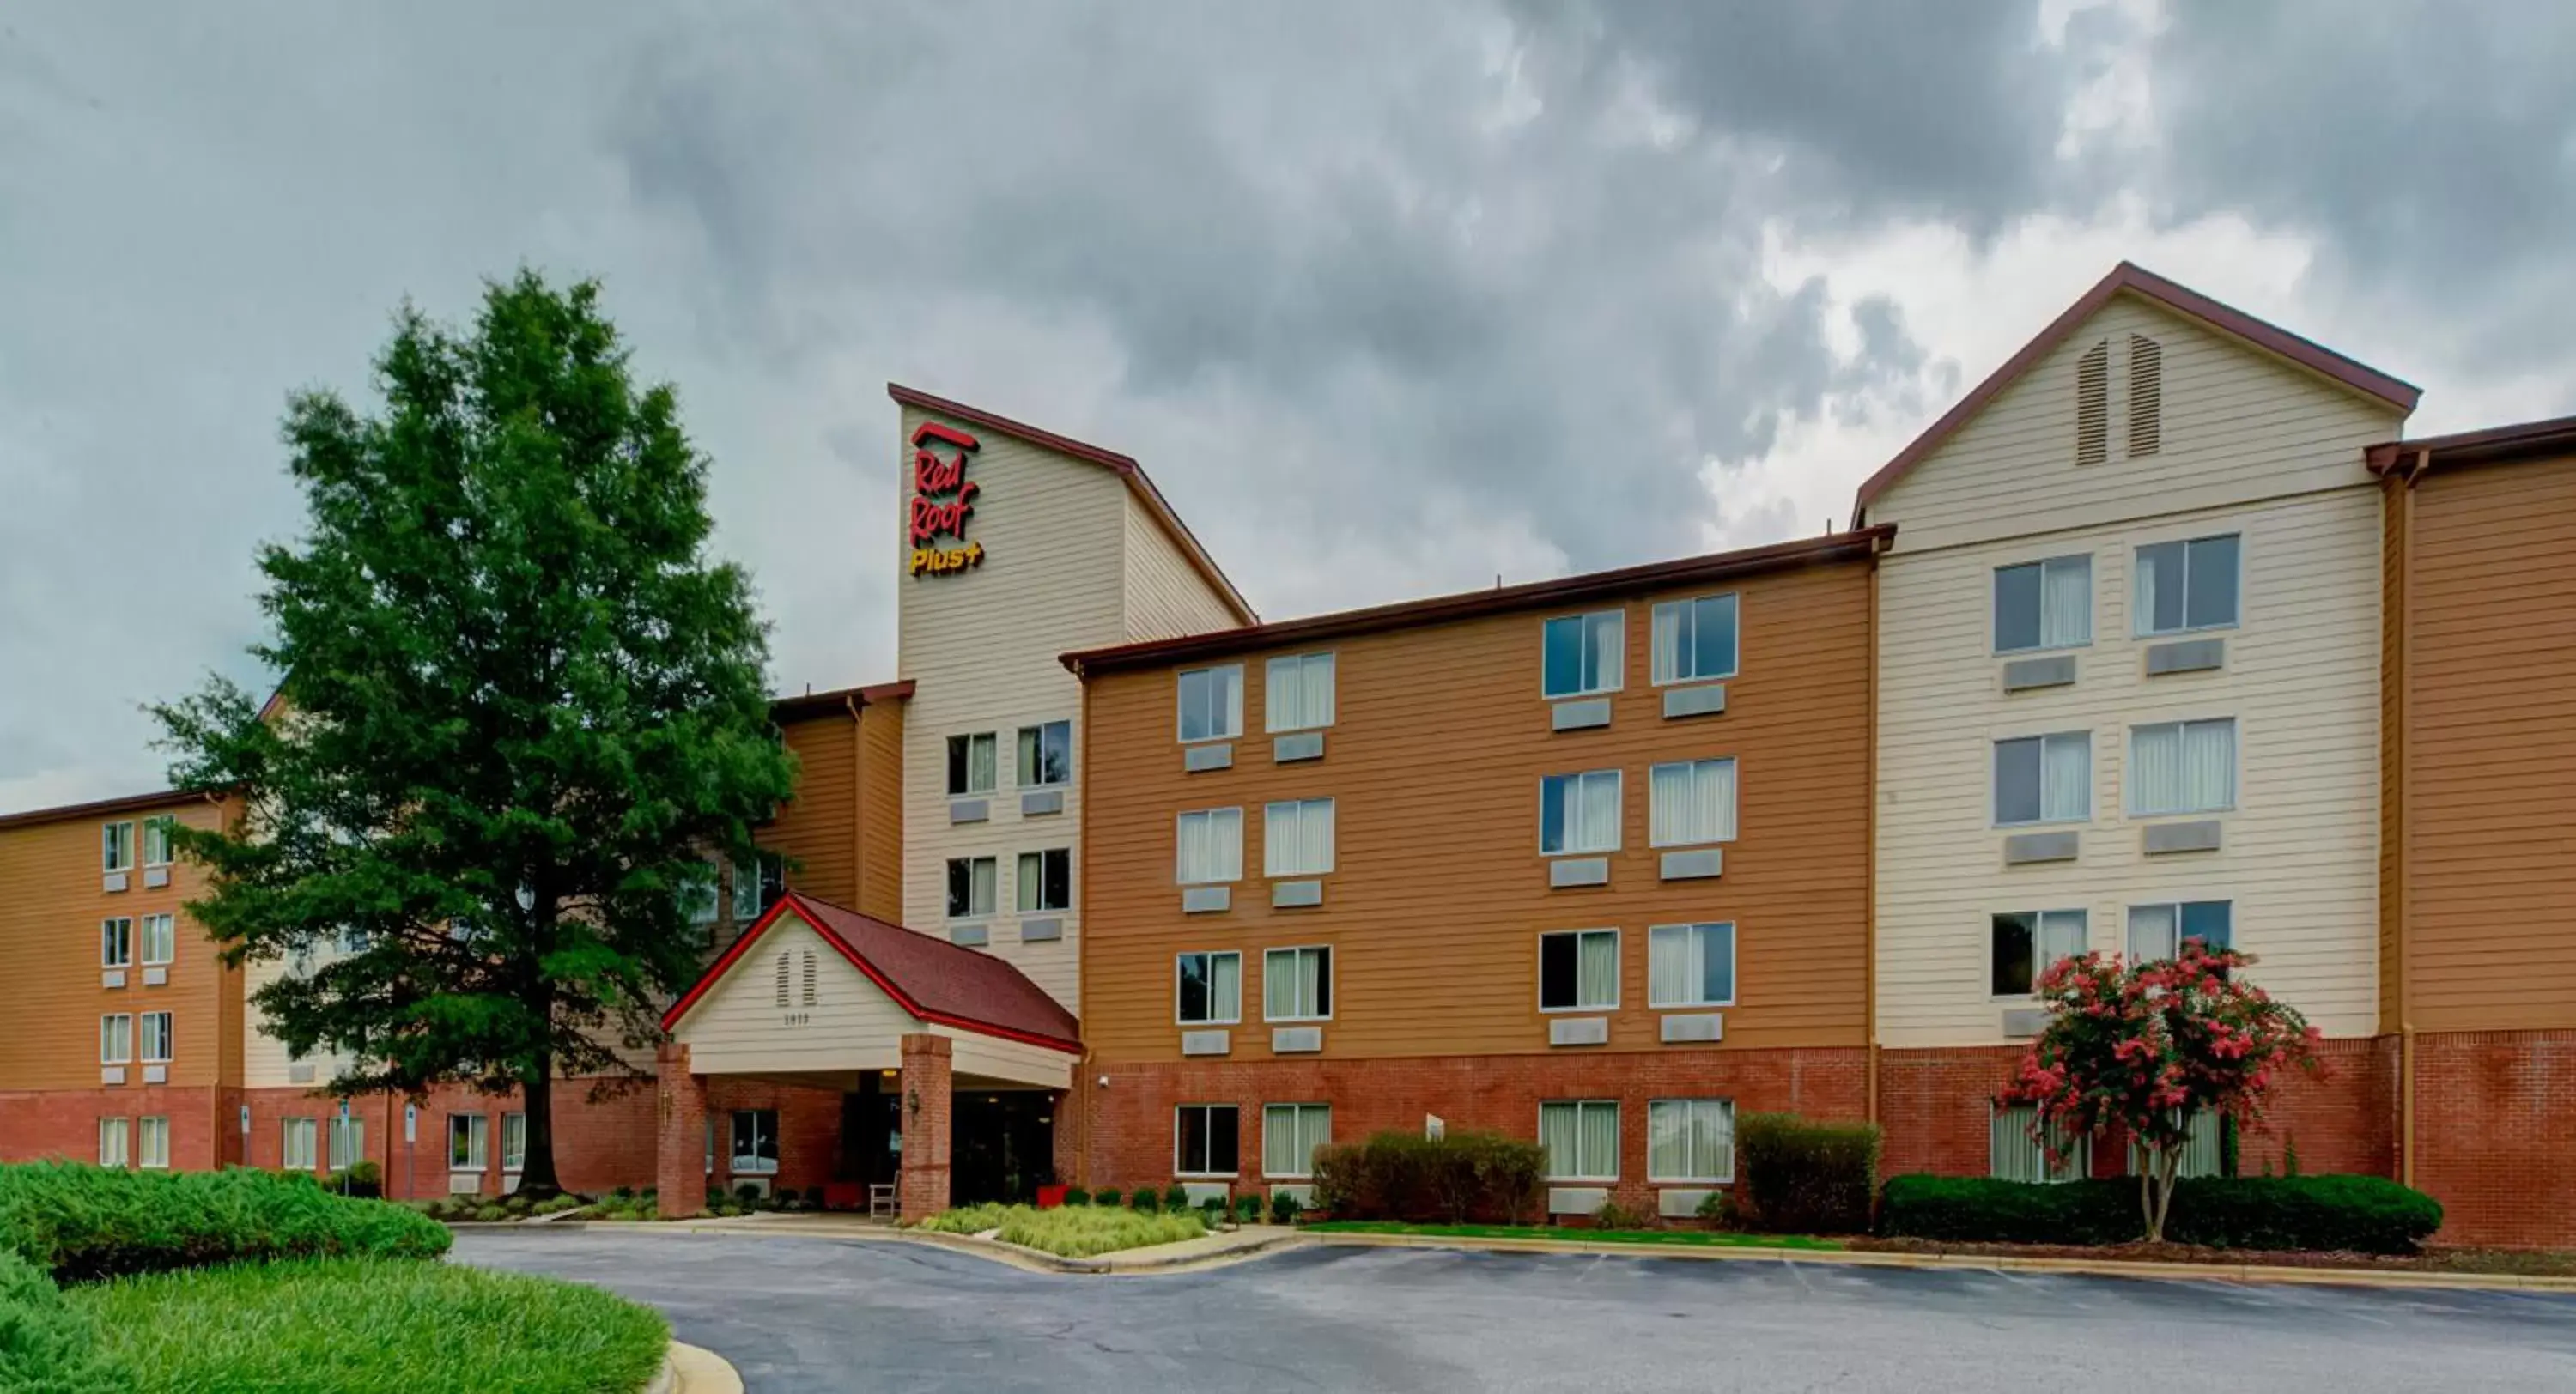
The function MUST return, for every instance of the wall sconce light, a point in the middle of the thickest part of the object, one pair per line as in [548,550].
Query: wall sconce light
[1104,1081]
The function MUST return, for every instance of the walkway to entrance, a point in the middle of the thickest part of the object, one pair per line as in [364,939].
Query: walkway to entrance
[828,1049]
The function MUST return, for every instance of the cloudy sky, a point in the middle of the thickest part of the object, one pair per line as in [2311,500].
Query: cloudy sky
[1391,298]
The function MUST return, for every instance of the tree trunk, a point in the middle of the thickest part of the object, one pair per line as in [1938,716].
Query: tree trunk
[2156,1186]
[537,1170]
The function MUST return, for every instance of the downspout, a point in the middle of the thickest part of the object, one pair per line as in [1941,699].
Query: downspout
[1869,858]
[1080,1094]
[2406,828]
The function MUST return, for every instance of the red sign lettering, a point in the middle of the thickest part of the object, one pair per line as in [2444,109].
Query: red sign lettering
[942,499]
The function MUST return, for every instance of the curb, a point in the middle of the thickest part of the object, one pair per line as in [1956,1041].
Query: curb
[695,1370]
[990,1250]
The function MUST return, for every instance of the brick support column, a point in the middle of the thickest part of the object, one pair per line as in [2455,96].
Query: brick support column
[921,1188]
[680,1153]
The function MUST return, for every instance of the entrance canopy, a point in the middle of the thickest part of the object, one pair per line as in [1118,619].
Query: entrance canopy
[814,990]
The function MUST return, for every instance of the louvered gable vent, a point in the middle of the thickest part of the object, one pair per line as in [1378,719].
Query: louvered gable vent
[782,980]
[2146,396]
[2093,405]
[808,965]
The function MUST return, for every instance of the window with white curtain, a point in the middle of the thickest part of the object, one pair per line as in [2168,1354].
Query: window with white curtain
[1694,640]
[514,1142]
[1210,987]
[1290,1133]
[1212,703]
[1211,846]
[296,1140]
[2044,779]
[469,1141]
[2183,767]
[1578,813]
[348,1139]
[1693,802]
[153,1135]
[112,1143]
[1297,693]
[156,1037]
[116,942]
[1297,838]
[2184,586]
[2017,1149]
[973,886]
[160,938]
[2026,943]
[157,846]
[1297,984]
[1581,1137]
[1578,970]
[1584,653]
[2044,605]
[1045,882]
[116,1038]
[2203,1151]
[115,846]
[1206,1139]
[1045,755]
[1690,1140]
[973,763]
[1690,965]
[2158,931]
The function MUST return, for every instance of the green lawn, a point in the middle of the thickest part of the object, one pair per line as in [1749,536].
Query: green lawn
[331,1325]
[1070,1231]
[1674,1238]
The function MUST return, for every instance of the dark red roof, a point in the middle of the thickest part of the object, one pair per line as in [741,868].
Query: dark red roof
[929,978]
[97,808]
[2525,440]
[2183,300]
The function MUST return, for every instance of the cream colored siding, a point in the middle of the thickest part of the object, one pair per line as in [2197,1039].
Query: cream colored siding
[2249,446]
[264,1057]
[739,1028]
[1014,1062]
[1166,595]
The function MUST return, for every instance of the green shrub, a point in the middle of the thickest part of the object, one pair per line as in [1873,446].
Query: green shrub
[82,1222]
[1075,1195]
[814,1196]
[1091,1230]
[1982,1210]
[1106,1195]
[1718,1208]
[1212,1210]
[1147,1201]
[1247,1208]
[748,1193]
[1176,1198]
[1800,1177]
[1402,1176]
[2360,1214]
[967,1219]
[1613,1215]
[1284,1208]
[47,1345]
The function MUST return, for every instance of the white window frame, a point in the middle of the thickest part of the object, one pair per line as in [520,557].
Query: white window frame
[993,740]
[1687,609]
[116,941]
[1618,969]
[1617,676]
[1232,726]
[1021,767]
[2077,1166]
[2235,771]
[478,1144]
[973,913]
[1734,964]
[1994,780]
[116,846]
[1180,873]
[115,1142]
[1022,882]
[152,1142]
[116,1038]
[2040,962]
[1656,835]
[160,823]
[757,1165]
[1211,955]
[167,923]
[344,1142]
[1179,1160]
[1994,619]
[1295,668]
[1296,811]
[1690,1106]
[1324,980]
[1581,1107]
[2143,619]
[2129,921]
[154,1052]
[1297,1113]
[1576,782]
[299,1137]
[514,1149]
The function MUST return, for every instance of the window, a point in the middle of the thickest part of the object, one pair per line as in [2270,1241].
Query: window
[115,942]
[711,1146]
[160,938]
[2146,396]
[700,898]
[296,1145]
[2183,767]
[156,840]
[1690,1140]
[1297,693]
[1211,846]
[152,1136]
[1691,802]
[1045,881]
[2027,942]
[116,847]
[1584,653]
[1206,1139]
[112,1142]
[514,1142]
[2204,1152]
[1695,639]
[349,942]
[156,1038]
[758,882]
[1578,970]
[1297,838]
[1046,755]
[2013,1153]
[2157,931]
[1297,984]
[348,1141]
[2184,586]
[1211,988]
[2044,605]
[755,1142]
[1690,965]
[116,1039]
[1290,1133]
[1212,703]
[2093,405]
[1582,1139]
[469,1141]
[971,767]
[971,887]
[2044,779]
[1578,813]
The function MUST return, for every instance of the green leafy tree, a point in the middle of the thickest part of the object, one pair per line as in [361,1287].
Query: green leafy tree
[519,707]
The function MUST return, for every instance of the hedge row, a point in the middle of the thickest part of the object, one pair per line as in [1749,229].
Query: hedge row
[1404,1176]
[2354,1214]
[1802,1177]
[46,1345]
[81,1222]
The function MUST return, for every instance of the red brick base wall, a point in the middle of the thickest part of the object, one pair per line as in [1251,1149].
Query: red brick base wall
[63,1123]
[1128,1139]
[2495,1135]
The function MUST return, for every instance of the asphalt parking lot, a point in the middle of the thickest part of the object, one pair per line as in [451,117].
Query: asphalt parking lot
[797,1315]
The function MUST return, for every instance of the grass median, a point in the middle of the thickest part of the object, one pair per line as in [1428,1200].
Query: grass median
[1653,1238]
[1069,1231]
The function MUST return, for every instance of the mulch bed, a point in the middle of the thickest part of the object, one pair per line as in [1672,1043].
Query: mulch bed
[2440,1260]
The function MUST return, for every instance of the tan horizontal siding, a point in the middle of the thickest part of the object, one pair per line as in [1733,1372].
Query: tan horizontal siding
[818,828]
